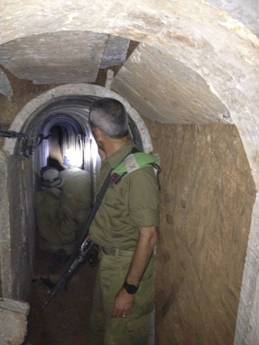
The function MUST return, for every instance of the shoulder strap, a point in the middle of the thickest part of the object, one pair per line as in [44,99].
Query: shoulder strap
[133,162]
[99,198]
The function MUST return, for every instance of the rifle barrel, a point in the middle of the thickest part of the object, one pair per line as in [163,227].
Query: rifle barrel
[12,134]
[71,267]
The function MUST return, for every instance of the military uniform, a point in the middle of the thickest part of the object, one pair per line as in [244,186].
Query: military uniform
[75,204]
[127,207]
[62,211]
[48,218]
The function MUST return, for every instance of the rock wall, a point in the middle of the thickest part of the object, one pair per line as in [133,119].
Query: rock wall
[22,226]
[5,274]
[16,224]
[13,321]
[206,204]
[16,227]
[23,92]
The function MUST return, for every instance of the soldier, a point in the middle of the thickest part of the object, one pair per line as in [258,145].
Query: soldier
[125,228]
[75,204]
[48,209]
[63,204]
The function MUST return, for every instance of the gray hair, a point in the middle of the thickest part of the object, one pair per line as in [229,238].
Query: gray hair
[110,116]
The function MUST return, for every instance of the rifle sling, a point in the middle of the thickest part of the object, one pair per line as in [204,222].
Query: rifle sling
[100,196]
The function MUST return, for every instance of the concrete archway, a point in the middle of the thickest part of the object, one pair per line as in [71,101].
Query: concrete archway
[22,122]
[20,186]
[33,107]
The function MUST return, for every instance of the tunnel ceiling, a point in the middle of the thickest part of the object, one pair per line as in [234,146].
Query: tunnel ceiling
[62,57]
[165,90]
[192,74]
[246,11]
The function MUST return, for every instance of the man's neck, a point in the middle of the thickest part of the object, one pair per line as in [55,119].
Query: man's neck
[114,145]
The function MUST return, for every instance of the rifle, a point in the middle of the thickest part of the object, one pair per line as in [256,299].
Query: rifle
[84,250]
[12,134]
[79,257]
[29,143]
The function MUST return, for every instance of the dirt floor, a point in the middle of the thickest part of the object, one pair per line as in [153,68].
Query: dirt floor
[65,320]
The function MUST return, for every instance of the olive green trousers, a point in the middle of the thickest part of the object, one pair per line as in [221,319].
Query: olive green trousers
[134,329]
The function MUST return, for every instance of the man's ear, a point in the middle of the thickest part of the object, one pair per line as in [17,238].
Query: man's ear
[98,133]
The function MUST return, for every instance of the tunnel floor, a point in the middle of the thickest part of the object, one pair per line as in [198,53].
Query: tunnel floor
[65,320]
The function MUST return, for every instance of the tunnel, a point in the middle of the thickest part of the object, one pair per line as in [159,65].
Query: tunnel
[63,140]
[187,74]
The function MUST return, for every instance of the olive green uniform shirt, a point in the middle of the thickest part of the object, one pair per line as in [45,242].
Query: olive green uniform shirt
[127,207]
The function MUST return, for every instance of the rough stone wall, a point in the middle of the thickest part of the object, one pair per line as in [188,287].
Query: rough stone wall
[172,86]
[5,274]
[207,199]
[243,10]
[13,322]
[23,92]
[16,227]
[22,225]
[16,240]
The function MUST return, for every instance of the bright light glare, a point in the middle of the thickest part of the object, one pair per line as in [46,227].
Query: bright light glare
[73,157]
[92,152]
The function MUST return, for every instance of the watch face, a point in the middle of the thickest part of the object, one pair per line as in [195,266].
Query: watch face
[130,288]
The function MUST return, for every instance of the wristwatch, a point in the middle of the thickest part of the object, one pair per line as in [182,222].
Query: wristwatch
[130,288]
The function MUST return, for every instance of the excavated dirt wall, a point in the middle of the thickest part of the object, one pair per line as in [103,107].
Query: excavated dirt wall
[23,92]
[206,204]
[18,205]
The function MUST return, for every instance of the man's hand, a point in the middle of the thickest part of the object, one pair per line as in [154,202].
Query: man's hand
[124,301]
[123,304]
